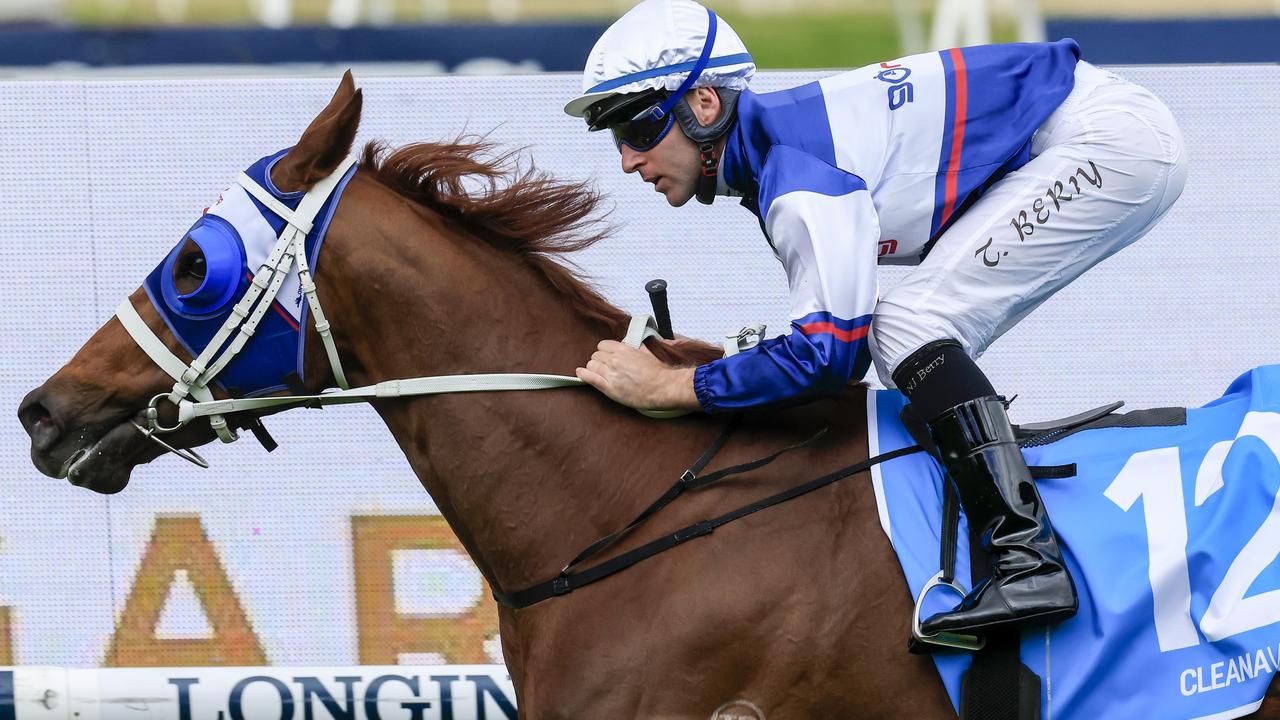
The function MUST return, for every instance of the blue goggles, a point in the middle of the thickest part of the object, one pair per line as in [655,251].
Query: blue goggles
[643,132]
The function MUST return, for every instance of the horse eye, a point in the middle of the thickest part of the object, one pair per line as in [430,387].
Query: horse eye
[196,266]
[189,271]
[191,263]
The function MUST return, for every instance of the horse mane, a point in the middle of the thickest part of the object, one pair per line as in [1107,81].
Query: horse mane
[519,209]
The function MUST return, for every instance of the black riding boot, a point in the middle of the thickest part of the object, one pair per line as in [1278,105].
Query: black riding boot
[1029,582]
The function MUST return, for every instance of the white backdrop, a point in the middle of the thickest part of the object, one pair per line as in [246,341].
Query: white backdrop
[100,178]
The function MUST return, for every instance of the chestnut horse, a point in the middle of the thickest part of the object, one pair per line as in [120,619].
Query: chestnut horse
[801,611]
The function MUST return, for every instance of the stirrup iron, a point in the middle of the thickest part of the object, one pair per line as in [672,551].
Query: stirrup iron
[954,641]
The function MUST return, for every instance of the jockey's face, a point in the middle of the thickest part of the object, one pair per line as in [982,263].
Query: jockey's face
[673,164]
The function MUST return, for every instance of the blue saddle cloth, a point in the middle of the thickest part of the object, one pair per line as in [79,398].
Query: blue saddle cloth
[1171,535]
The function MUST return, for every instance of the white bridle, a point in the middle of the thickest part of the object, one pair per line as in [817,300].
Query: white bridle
[192,380]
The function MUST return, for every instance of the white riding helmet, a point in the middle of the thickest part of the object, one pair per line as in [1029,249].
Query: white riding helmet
[640,69]
[655,46]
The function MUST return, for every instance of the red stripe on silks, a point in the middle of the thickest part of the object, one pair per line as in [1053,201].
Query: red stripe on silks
[284,314]
[275,305]
[957,135]
[840,334]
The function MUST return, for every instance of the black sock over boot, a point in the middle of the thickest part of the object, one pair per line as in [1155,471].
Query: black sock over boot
[940,376]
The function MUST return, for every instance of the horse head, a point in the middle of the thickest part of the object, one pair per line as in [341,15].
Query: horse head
[87,422]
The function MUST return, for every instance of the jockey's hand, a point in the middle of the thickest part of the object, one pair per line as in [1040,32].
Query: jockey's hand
[635,378]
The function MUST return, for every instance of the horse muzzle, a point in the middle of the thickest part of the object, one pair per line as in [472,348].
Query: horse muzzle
[94,452]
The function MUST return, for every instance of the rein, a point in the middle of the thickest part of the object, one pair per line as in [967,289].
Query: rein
[641,327]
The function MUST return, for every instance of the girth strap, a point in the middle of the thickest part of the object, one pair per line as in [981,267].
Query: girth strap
[997,685]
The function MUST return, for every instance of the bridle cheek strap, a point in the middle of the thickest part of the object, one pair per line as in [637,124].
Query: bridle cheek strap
[302,220]
[152,345]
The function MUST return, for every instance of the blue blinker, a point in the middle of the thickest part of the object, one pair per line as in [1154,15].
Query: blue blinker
[224,260]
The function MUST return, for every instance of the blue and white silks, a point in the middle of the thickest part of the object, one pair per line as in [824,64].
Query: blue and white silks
[1172,536]
[865,167]
[236,234]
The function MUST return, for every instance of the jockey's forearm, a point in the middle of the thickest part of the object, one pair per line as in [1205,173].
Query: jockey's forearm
[680,394]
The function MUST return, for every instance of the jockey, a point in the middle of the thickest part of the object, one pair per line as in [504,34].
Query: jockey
[1000,172]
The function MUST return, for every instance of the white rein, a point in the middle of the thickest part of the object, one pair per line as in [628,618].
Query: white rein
[192,380]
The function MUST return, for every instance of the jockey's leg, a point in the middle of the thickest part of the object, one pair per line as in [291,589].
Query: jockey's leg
[975,442]
[1105,167]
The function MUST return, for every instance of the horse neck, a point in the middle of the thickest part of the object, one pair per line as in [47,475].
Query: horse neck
[524,478]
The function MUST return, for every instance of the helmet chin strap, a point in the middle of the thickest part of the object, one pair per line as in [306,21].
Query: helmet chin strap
[708,180]
[707,137]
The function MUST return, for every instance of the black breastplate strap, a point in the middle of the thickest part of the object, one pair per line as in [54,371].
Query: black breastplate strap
[569,580]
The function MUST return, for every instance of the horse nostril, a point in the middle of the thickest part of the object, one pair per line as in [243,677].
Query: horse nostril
[38,422]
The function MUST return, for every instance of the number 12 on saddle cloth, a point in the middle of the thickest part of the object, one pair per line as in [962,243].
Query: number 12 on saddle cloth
[1172,535]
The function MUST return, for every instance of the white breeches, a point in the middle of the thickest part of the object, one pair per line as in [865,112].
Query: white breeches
[1104,168]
